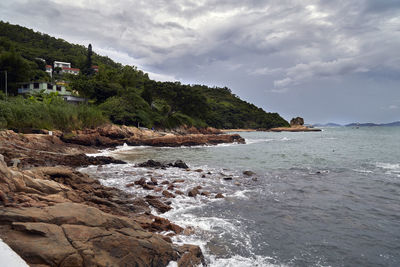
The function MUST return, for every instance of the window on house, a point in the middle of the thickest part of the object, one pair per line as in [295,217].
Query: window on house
[58,88]
[25,86]
[49,86]
[35,85]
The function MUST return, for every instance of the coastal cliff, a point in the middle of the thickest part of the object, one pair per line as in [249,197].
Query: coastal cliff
[53,215]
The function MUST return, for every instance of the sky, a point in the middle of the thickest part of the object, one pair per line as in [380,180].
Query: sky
[325,61]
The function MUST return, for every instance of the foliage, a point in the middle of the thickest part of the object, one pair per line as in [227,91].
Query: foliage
[124,94]
[47,111]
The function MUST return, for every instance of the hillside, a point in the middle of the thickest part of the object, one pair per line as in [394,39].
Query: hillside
[124,94]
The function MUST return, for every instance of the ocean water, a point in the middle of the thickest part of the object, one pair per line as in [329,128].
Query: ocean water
[329,198]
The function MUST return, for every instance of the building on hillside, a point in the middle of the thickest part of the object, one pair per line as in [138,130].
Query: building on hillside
[49,70]
[73,71]
[47,88]
[65,68]
[59,64]
[95,68]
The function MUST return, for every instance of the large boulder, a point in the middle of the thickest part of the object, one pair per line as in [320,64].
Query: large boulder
[298,121]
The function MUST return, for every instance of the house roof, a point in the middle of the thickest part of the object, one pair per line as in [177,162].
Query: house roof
[48,67]
[74,69]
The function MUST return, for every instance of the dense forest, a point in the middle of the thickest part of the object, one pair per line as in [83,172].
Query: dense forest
[120,94]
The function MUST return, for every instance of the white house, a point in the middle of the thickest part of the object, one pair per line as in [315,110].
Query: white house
[59,64]
[46,87]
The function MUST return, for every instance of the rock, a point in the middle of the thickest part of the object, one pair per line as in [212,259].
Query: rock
[162,224]
[161,207]
[130,185]
[151,163]
[158,189]
[178,181]
[141,181]
[192,256]
[249,173]
[180,164]
[227,178]
[178,192]
[154,180]
[297,121]
[168,194]
[188,230]
[171,187]
[193,192]
[219,195]
[148,187]
[198,170]
[203,176]
[205,193]
[164,182]
[236,183]
[254,179]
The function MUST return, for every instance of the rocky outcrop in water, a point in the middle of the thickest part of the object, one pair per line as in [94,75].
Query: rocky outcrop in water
[54,216]
[112,135]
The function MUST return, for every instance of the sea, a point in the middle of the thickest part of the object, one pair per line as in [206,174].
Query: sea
[329,198]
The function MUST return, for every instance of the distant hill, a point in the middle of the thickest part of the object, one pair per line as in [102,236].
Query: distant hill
[125,94]
[331,124]
[370,124]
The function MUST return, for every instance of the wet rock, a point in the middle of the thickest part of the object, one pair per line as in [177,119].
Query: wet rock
[249,173]
[227,178]
[168,194]
[148,187]
[180,164]
[141,181]
[130,185]
[191,256]
[164,182]
[171,187]
[236,183]
[162,224]
[178,181]
[151,163]
[205,193]
[193,192]
[198,170]
[179,192]
[154,180]
[158,189]
[189,230]
[203,176]
[158,205]
[219,195]
[254,179]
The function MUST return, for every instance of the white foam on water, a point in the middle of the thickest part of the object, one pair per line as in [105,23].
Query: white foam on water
[362,171]
[186,209]
[255,141]
[391,168]
[237,260]
[172,264]
[388,166]
[285,139]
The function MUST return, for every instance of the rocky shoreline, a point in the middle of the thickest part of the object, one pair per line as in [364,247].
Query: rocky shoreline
[53,215]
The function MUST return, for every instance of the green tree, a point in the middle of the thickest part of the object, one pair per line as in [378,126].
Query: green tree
[17,68]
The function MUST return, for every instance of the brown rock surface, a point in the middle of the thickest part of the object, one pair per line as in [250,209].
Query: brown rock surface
[55,216]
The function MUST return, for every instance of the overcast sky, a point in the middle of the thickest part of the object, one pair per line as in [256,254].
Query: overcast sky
[326,61]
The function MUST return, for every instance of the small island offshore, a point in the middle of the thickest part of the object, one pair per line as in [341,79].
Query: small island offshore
[52,114]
